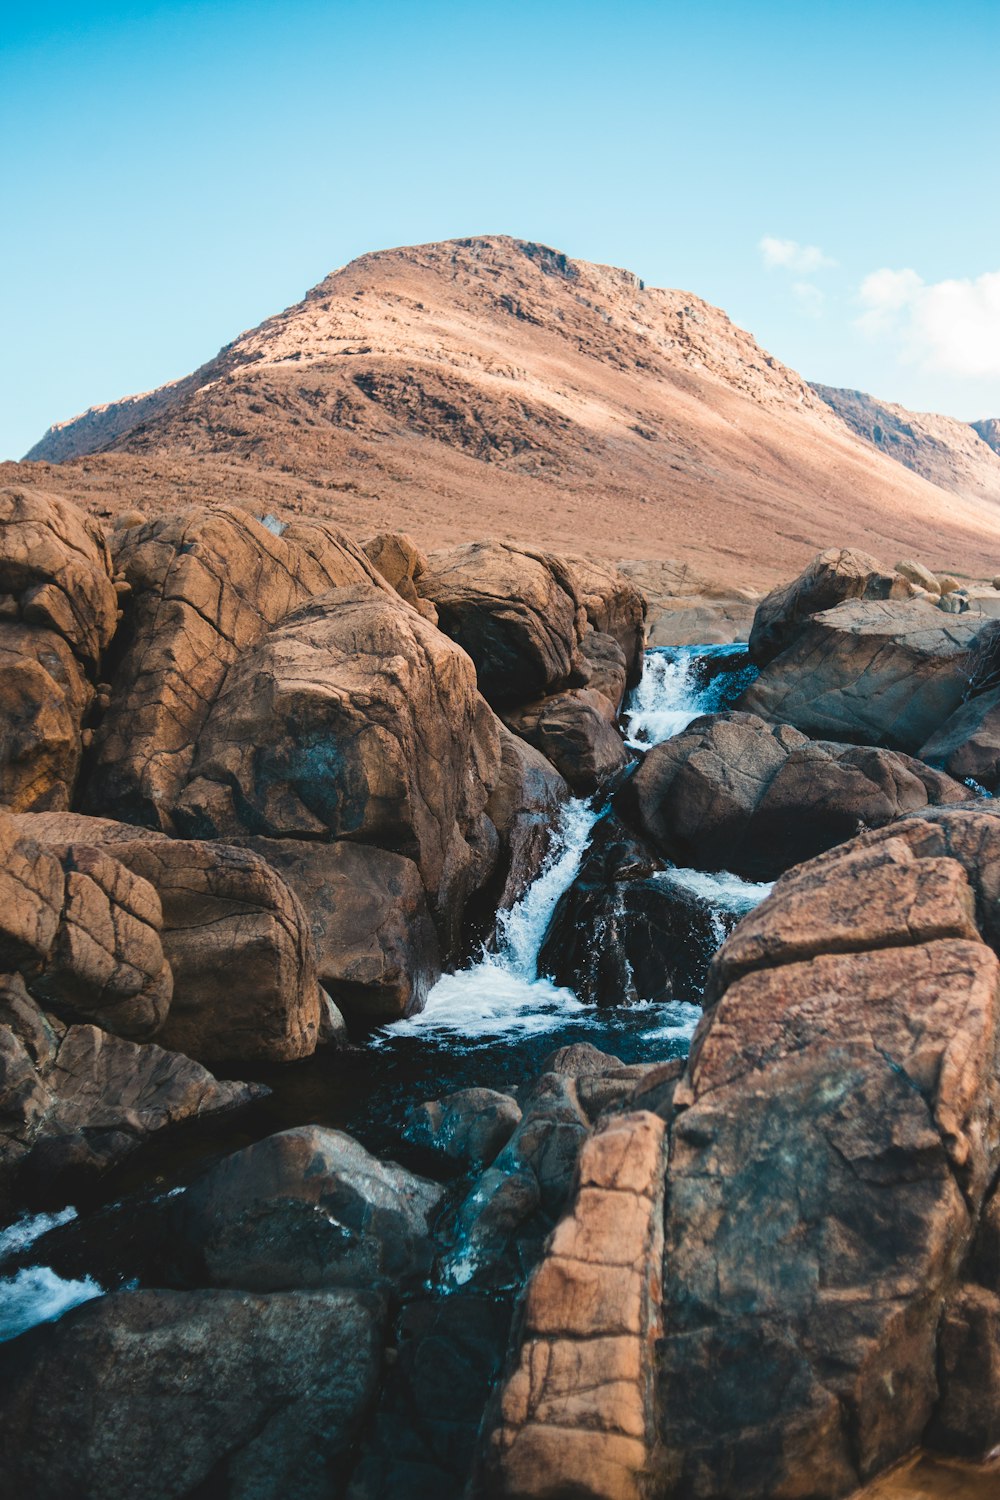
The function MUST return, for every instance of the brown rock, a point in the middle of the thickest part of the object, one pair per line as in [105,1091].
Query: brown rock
[837,574]
[205,586]
[523,807]
[377,953]
[614,606]
[607,666]
[737,793]
[870,672]
[577,731]
[401,562]
[515,612]
[54,562]
[240,948]
[967,744]
[918,574]
[967,1417]
[44,698]
[355,719]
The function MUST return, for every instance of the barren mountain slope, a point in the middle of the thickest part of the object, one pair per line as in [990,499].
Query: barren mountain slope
[494,386]
[956,455]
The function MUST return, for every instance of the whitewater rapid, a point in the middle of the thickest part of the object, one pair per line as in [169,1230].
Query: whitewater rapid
[502,995]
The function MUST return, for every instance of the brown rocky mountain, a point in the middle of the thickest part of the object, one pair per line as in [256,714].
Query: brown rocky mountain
[493,385]
[963,457]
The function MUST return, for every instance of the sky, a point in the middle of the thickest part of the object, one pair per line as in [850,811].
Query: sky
[173,173]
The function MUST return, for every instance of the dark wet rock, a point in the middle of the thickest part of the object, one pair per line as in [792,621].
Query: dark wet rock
[733,792]
[839,574]
[966,1418]
[501,1224]
[470,1126]
[624,931]
[577,731]
[163,1394]
[421,1443]
[355,719]
[377,951]
[514,610]
[204,586]
[967,744]
[76,1100]
[869,672]
[305,1208]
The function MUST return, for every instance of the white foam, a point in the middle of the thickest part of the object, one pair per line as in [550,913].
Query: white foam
[676,1021]
[29,1228]
[720,888]
[664,702]
[37,1295]
[502,993]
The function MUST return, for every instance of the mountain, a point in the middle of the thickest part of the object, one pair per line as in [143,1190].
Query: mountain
[495,385]
[963,457]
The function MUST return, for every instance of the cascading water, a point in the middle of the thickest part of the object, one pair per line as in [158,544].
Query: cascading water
[502,995]
[36,1294]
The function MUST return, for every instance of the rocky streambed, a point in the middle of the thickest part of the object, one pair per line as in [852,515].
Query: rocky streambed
[446,1050]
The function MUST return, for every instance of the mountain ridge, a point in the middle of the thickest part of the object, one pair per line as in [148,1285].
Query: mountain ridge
[496,384]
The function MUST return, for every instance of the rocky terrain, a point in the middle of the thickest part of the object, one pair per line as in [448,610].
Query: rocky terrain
[446,1050]
[551,398]
[963,457]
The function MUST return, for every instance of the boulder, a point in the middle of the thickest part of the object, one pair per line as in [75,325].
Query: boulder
[577,731]
[523,808]
[79,828]
[84,932]
[624,932]
[835,1138]
[967,744]
[614,605]
[305,1208]
[377,952]
[55,566]
[470,1126]
[833,576]
[733,792]
[355,719]
[74,1100]
[575,1414]
[44,699]
[966,1419]
[947,584]
[163,1394]
[514,610]
[240,949]
[204,587]
[400,561]
[608,669]
[918,574]
[870,672]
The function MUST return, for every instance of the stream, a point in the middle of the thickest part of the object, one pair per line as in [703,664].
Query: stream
[491,1023]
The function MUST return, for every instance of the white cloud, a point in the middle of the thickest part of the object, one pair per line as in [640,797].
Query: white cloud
[810,299]
[789,255]
[948,326]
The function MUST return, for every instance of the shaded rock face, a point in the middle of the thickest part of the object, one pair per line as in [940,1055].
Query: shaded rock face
[967,744]
[470,1126]
[305,1208]
[268,1392]
[515,612]
[732,792]
[74,1100]
[839,574]
[615,607]
[576,1411]
[577,731]
[623,932]
[401,563]
[837,1131]
[523,806]
[377,951]
[869,672]
[354,719]
[240,950]
[58,612]
[205,586]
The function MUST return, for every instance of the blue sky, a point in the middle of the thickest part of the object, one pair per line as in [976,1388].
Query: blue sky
[173,173]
